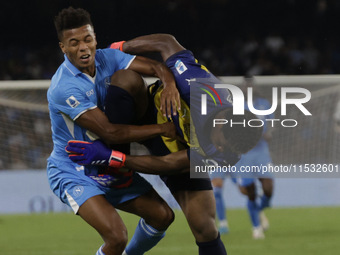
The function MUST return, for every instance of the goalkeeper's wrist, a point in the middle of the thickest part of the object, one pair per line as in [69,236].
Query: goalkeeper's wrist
[117,159]
[117,45]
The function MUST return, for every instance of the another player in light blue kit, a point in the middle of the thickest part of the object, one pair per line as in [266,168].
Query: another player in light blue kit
[258,156]
[76,102]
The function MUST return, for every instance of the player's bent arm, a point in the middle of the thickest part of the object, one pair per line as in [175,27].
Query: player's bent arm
[165,44]
[96,121]
[172,163]
[153,68]
[170,96]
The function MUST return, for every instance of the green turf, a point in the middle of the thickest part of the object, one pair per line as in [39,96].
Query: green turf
[293,231]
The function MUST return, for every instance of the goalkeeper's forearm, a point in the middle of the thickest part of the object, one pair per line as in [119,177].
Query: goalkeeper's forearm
[172,163]
[165,44]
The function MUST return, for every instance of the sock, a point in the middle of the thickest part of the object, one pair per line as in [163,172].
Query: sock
[254,213]
[223,223]
[100,251]
[119,109]
[220,208]
[264,202]
[144,238]
[215,247]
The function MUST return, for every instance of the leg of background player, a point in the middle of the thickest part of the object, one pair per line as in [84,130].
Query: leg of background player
[267,187]
[253,210]
[220,206]
[199,210]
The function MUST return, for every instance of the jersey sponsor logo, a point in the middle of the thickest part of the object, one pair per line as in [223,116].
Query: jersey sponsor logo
[72,101]
[78,190]
[180,67]
[90,92]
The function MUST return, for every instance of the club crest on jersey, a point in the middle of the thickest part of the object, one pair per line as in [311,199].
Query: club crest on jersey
[180,67]
[72,101]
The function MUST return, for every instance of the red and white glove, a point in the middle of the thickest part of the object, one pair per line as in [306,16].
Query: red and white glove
[95,153]
[117,45]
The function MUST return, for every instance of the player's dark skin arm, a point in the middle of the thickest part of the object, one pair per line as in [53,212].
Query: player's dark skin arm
[172,163]
[97,122]
[165,44]
[170,96]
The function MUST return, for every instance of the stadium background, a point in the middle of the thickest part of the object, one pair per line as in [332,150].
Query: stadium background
[231,37]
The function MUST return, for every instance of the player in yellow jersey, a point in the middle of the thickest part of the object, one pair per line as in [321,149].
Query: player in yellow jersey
[221,144]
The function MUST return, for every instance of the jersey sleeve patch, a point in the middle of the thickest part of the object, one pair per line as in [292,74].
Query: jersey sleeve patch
[180,67]
[72,101]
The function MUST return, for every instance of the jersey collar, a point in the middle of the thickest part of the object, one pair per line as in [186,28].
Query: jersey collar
[74,70]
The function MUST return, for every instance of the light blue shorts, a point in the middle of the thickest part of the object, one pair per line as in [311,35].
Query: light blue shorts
[257,159]
[69,183]
[245,170]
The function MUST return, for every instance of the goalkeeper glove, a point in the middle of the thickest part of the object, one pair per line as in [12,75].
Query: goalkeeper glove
[95,153]
[117,45]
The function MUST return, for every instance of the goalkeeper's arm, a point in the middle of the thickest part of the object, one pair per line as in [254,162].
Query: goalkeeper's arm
[97,153]
[165,44]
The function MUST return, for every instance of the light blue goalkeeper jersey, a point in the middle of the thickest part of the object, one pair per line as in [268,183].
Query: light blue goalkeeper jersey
[72,93]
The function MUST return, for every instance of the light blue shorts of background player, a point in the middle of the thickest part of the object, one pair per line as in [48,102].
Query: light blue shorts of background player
[252,165]
[69,183]
[219,175]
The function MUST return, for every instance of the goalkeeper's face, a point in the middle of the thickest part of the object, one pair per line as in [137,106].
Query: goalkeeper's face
[79,45]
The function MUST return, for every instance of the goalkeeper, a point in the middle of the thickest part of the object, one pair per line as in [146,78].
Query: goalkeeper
[76,100]
[221,144]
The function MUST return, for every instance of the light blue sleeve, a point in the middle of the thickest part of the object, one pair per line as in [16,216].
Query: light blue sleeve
[71,101]
[113,60]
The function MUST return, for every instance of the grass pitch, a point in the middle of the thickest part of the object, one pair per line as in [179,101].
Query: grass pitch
[292,231]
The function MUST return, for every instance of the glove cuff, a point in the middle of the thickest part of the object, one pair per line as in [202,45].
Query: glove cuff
[117,45]
[117,159]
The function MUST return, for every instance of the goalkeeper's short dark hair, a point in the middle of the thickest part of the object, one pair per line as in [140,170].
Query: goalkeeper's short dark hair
[241,138]
[70,18]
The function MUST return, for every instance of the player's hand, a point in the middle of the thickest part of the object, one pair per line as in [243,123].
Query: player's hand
[170,100]
[95,153]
